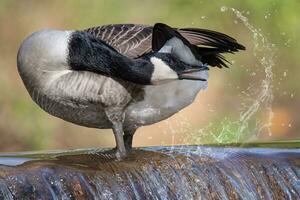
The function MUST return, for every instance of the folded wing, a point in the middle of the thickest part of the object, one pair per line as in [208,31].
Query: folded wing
[132,40]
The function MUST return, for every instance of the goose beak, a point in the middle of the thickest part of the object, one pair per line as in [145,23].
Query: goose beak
[194,74]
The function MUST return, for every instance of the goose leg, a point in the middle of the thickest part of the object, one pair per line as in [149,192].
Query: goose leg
[116,117]
[128,137]
[118,132]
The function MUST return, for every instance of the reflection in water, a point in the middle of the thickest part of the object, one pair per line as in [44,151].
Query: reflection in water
[155,173]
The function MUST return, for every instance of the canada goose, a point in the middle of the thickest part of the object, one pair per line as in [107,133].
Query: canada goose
[119,76]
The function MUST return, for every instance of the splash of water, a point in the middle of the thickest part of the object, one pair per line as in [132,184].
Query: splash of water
[261,101]
[266,60]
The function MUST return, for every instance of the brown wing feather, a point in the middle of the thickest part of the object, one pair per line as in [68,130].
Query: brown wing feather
[134,40]
[131,40]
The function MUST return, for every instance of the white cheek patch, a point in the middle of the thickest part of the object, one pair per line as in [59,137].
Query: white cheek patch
[162,72]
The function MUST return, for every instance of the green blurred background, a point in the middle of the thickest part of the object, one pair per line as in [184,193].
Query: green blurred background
[215,115]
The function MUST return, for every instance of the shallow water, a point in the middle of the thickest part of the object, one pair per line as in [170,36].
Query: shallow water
[181,172]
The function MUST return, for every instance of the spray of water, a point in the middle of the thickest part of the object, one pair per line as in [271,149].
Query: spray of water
[259,101]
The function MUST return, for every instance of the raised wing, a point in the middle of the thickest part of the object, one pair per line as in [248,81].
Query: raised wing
[134,40]
[209,38]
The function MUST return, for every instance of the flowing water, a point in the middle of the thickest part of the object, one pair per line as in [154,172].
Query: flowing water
[187,172]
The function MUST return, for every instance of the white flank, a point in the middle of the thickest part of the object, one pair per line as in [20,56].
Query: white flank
[162,72]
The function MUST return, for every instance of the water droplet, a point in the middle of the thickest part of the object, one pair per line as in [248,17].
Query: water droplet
[290,125]
[284,74]
[224,8]
[263,52]
[292,95]
[203,17]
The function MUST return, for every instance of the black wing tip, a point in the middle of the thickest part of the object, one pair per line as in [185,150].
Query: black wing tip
[237,46]
[223,41]
[241,47]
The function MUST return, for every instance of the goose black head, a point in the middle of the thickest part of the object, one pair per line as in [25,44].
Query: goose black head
[173,57]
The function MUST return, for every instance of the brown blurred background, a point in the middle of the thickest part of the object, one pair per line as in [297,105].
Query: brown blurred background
[24,126]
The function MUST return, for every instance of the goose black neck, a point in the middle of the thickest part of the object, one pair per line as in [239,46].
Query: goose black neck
[89,53]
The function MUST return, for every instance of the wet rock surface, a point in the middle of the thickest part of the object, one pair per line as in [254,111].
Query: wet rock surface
[186,172]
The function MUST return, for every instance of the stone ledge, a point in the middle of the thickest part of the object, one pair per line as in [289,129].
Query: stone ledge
[184,172]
